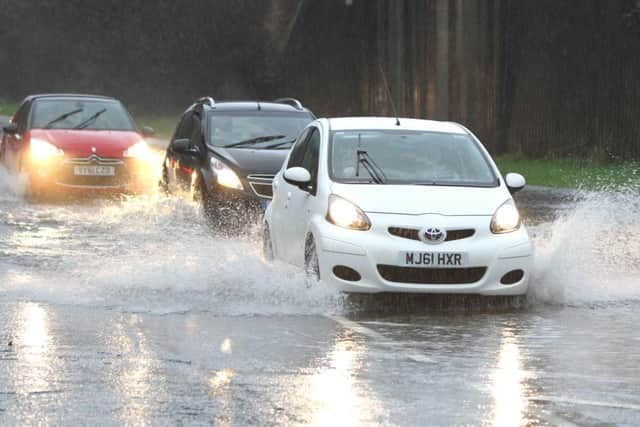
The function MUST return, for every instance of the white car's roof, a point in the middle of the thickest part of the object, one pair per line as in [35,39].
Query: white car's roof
[389,123]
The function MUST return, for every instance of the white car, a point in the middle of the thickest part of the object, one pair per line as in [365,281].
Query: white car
[372,204]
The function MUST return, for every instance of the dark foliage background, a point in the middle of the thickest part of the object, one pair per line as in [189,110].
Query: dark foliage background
[539,77]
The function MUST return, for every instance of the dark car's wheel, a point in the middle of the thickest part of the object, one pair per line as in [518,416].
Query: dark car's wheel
[311,262]
[198,188]
[267,244]
[163,184]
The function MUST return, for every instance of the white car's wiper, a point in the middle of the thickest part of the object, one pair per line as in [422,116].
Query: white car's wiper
[370,166]
[90,120]
[253,141]
[62,117]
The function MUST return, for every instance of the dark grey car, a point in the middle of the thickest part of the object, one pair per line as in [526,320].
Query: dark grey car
[226,154]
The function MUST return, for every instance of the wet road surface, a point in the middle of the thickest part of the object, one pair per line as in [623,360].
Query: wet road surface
[128,312]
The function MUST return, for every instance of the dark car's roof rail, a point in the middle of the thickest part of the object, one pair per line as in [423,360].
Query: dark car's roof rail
[290,101]
[206,100]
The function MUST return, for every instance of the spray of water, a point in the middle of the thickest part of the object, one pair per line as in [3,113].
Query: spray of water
[152,254]
[12,186]
[158,254]
[591,254]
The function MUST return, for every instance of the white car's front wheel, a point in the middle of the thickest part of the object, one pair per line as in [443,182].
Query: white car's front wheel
[311,262]
[267,244]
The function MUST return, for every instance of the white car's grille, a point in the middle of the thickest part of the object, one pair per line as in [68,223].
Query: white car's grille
[414,233]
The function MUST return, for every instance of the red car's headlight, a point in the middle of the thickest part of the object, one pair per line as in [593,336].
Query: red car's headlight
[140,150]
[42,150]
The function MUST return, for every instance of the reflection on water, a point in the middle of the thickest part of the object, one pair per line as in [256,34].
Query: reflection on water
[225,347]
[510,403]
[222,392]
[133,376]
[221,379]
[336,395]
[36,352]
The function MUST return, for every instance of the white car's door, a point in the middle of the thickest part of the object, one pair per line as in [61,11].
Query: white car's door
[281,199]
[300,200]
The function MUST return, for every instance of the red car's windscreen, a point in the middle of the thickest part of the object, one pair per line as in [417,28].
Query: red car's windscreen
[80,114]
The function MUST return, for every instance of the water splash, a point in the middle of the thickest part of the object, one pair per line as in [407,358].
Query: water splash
[150,254]
[158,254]
[591,254]
[12,187]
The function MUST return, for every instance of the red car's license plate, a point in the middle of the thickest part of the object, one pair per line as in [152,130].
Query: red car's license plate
[94,170]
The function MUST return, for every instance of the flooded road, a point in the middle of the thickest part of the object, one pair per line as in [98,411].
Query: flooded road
[129,312]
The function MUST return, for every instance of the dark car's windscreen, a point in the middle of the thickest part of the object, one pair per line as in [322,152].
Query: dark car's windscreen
[258,130]
[86,114]
[402,157]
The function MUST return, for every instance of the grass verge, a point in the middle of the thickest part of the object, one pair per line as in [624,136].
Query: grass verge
[573,173]
[7,108]
[164,125]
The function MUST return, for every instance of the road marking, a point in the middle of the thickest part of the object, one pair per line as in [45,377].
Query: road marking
[617,405]
[363,330]
[380,339]
[556,420]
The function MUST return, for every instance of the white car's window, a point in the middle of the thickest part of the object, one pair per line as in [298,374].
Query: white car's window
[406,157]
[80,114]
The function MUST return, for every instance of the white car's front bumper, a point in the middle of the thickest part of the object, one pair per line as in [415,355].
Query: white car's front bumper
[377,252]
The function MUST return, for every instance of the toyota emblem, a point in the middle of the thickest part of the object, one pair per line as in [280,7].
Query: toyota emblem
[93,149]
[433,235]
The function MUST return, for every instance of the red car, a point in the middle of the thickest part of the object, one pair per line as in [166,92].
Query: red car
[76,143]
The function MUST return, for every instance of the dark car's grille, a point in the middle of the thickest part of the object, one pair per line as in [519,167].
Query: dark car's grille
[414,233]
[66,175]
[261,185]
[431,276]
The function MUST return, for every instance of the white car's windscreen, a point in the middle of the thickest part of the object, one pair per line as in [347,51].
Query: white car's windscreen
[408,157]
[80,114]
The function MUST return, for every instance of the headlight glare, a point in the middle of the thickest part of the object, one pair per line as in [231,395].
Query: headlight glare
[345,214]
[506,219]
[226,177]
[139,150]
[42,150]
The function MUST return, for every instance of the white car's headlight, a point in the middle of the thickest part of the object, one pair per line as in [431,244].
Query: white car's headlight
[42,150]
[139,150]
[345,214]
[506,218]
[226,177]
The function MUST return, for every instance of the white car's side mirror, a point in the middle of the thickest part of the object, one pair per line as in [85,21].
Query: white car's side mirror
[515,182]
[297,176]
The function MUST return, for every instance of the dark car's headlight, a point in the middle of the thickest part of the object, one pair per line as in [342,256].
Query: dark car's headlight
[225,176]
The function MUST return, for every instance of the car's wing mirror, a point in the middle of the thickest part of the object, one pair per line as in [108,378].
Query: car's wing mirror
[515,182]
[183,145]
[11,128]
[298,176]
[148,131]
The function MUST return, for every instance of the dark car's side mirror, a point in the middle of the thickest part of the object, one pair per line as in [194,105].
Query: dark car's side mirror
[183,145]
[11,128]
[148,131]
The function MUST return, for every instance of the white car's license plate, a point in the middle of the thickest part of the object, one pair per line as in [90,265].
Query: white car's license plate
[94,170]
[433,259]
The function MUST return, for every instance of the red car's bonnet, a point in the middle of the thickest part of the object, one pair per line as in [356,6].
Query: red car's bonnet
[81,143]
